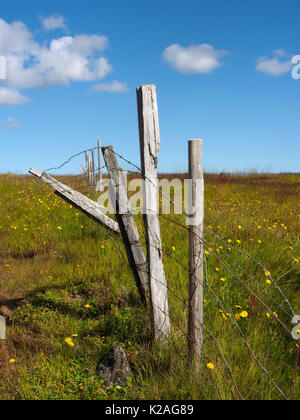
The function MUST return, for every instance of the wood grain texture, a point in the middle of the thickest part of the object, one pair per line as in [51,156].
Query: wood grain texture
[79,201]
[149,147]
[129,231]
[195,324]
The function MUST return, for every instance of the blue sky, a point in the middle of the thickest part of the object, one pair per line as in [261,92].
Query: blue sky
[222,70]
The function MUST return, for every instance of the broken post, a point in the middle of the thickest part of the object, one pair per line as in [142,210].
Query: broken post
[79,201]
[149,147]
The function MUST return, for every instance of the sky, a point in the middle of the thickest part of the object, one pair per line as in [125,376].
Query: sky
[223,71]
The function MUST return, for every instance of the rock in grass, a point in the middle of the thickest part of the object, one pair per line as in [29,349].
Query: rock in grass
[114,368]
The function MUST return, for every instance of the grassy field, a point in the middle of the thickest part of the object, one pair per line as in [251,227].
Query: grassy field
[63,276]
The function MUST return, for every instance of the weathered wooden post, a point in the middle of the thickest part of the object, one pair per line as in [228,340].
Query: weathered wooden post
[149,146]
[129,231]
[100,166]
[196,210]
[93,170]
[88,166]
[2,328]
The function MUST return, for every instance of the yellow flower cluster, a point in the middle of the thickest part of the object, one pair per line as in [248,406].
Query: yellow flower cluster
[69,342]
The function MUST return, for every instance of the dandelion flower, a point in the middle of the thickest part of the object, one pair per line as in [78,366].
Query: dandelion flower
[12,361]
[244,314]
[268,315]
[87,306]
[268,281]
[69,341]
[210,366]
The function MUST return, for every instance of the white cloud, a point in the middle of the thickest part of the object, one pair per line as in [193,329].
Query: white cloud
[11,97]
[193,59]
[10,123]
[115,87]
[51,23]
[277,65]
[30,64]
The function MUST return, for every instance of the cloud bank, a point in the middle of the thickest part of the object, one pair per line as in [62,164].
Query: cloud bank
[58,62]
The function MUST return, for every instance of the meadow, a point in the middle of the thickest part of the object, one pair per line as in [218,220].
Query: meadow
[68,296]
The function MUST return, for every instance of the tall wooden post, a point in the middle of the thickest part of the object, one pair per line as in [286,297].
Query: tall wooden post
[196,205]
[149,146]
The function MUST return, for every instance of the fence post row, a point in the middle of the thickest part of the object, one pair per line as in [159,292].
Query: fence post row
[130,235]
[149,148]
[196,210]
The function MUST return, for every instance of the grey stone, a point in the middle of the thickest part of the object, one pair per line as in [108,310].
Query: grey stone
[114,368]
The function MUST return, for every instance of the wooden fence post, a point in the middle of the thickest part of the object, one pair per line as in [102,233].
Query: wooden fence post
[87,206]
[93,169]
[2,328]
[196,205]
[100,166]
[87,166]
[149,146]
[130,234]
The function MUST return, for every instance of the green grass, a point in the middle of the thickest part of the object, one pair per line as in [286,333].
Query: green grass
[54,262]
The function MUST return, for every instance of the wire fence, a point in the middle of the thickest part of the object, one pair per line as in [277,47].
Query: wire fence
[230,325]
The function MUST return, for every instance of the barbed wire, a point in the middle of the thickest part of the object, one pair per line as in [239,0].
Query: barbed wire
[205,241]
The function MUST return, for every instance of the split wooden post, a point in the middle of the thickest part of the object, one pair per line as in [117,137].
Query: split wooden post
[127,225]
[100,166]
[196,210]
[149,147]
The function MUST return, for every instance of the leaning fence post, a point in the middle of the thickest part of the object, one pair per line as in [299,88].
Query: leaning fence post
[149,146]
[196,210]
[129,231]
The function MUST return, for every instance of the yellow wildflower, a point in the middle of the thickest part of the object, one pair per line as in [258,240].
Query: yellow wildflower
[244,314]
[210,366]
